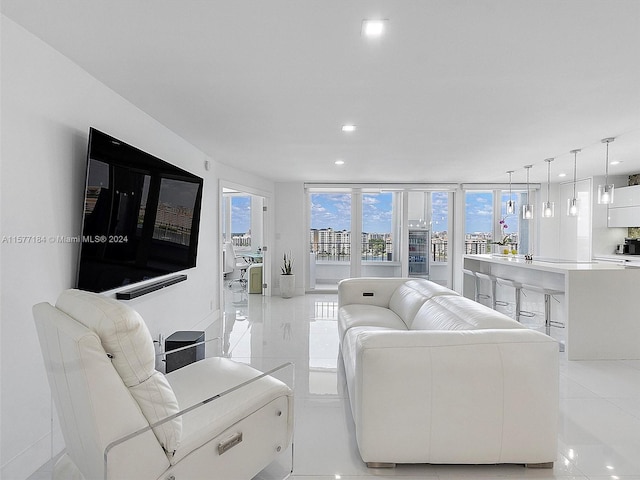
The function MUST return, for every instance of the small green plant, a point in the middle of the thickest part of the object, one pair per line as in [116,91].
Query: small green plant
[287,265]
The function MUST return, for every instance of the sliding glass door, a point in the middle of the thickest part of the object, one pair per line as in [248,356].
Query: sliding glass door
[367,232]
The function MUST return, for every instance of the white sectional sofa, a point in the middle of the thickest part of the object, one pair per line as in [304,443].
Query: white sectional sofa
[434,377]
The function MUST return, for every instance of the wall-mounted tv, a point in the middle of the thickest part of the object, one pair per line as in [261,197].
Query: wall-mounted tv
[141,216]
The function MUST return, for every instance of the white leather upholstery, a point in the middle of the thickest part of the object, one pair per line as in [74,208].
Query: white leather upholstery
[367,315]
[216,417]
[94,406]
[88,339]
[448,312]
[126,338]
[465,384]
[406,302]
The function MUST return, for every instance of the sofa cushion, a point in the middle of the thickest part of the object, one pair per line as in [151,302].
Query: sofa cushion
[429,289]
[405,302]
[126,339]
[455,312]
[355,315]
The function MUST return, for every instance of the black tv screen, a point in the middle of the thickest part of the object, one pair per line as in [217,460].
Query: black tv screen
[141,216]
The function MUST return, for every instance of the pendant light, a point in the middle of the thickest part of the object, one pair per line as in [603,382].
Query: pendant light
[572,203]
[527,210]
[605,192]
[548,208]
[511,204]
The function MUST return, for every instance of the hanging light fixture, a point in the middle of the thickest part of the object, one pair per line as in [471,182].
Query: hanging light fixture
[511,204]
[572,203]
[527,210]
[605,192]
[548,208]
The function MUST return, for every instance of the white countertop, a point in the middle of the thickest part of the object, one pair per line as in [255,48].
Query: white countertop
[549,265]
[621,257]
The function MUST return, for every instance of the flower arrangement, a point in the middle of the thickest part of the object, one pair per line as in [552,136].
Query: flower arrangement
[506,238]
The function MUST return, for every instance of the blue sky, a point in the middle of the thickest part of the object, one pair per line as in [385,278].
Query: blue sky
[240,214]
[334,211]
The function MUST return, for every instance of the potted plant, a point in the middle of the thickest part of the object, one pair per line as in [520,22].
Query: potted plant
[287,278]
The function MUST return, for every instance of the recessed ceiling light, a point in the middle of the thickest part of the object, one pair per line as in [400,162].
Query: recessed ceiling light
[339,162]
[348,128]
[615,162]
[373,28]
[562,174]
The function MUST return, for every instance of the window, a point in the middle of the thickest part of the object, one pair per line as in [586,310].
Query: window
[377,227]
[487,222]
[478,224]
[439,226]
[330,234]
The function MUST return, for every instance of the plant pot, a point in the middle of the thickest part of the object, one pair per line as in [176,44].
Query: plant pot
[287,285]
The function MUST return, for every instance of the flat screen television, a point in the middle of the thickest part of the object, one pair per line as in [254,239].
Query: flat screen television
[141,216]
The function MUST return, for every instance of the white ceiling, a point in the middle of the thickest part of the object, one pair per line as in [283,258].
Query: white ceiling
[456,91]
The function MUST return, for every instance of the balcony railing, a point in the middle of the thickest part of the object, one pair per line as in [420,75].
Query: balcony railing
[340,252]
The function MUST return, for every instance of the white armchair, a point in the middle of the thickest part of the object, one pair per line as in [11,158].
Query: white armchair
[121,419]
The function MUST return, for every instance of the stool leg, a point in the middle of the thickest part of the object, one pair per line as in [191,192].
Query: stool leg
[493,294]
[547,314]
[547,317]
[518,290]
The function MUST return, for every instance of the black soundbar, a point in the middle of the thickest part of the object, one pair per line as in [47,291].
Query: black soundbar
[150,287]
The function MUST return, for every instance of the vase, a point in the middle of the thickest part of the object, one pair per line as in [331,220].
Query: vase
[287,285]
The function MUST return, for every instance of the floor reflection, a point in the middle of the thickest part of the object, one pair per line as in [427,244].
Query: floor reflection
[259,330]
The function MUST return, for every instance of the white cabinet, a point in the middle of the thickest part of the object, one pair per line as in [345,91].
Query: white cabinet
[625,209]
[626,196]
[624,216]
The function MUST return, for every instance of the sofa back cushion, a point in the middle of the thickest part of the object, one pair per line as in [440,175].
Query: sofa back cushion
[405,302]
[428,288]
[126,339]
[455,312]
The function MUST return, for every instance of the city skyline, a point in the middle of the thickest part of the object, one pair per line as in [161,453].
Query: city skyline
[334,211]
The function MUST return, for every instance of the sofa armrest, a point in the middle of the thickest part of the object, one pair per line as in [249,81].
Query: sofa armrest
[483,396]
[368,291]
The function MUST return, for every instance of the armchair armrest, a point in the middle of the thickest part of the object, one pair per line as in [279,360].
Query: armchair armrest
[221,417]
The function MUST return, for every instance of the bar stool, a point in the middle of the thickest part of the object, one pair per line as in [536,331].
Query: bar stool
[492,290]
[548,294]
[475,282]
[517,286]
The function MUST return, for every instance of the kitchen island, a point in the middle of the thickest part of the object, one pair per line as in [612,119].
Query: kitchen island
[599,306]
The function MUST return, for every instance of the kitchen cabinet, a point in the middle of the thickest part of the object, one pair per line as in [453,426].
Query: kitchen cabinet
[625,209]
[599,306]
[626,196]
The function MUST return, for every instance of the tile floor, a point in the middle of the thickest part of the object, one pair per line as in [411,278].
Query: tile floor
[598,431]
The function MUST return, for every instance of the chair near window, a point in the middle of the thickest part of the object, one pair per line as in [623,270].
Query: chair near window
[122,419]
[236,263]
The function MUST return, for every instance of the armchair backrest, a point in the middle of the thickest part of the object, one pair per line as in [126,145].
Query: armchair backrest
[99,358]
[229,260]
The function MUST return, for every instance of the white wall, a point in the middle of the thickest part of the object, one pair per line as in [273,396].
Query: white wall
[291,234]
[48,105]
